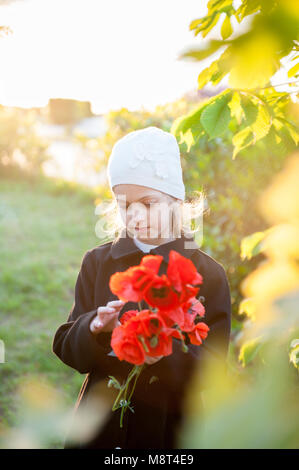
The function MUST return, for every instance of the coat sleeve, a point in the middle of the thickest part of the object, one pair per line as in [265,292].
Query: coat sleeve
[73,342]
[175,370]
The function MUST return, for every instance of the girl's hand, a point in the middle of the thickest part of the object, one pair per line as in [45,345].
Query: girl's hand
[151,360]
[107,317]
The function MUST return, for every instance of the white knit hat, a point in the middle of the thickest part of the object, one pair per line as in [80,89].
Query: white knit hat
[147,157]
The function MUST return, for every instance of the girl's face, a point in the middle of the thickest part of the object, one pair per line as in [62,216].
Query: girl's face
[146,212]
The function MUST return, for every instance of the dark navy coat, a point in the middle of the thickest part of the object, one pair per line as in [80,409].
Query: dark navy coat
[158,406]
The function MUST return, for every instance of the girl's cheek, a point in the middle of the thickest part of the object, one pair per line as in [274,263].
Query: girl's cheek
[161,218]
[153,221]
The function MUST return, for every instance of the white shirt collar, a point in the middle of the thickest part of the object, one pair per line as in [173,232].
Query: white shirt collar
[145,247]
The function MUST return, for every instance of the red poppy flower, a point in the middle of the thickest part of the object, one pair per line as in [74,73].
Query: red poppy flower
[188,322]
[152,262]
[148,329]
[188,292]
[130,284]
[160,345]
[177,334]
[127,315]
[126,346]
[146,323]
[153,323]
[173,316]
[194,305]
[160,294]
[182,317]
[199,333]
[181,271]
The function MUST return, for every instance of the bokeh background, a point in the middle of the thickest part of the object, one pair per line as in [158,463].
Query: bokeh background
[223,77]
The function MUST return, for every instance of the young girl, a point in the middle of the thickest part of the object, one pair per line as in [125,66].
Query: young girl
[145,177]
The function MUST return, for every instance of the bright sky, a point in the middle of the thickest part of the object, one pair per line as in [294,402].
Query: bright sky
[114,53]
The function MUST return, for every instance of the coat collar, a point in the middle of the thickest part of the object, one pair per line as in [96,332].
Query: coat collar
[125,246]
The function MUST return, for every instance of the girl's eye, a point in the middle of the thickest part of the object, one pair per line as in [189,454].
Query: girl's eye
[147,204]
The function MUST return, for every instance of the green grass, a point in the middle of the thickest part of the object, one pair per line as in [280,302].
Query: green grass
[45,229]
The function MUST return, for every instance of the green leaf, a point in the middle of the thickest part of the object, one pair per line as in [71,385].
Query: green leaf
[187,129]
[216,70]
[204,24]
[195,23]
[217,4]
[255,59]
[294,343]
[249,350]
[113,382]
[258,122]
[202,53]
[250,110]
[248,7]
[235,107]
[262,124]
[293,71]
[293,130]
[294,134]
[294,354]
[241,140]
[205,31]
[226,28]
[189,139]
[216,116]
[206,75]
[251,245]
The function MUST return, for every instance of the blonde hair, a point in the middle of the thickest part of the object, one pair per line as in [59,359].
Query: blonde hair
[184,215]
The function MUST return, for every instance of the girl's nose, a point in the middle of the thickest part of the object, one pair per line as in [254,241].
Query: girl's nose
[138,220]
[137,214]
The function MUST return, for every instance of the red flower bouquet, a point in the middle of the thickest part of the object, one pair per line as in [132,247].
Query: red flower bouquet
[174,311]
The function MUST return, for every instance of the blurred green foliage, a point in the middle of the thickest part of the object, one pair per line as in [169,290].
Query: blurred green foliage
[252,109]
[20,146]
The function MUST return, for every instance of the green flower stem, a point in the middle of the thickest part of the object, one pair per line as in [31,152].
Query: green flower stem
[124,389]
[137,370]
[137,375]
[124,404]
[115,407]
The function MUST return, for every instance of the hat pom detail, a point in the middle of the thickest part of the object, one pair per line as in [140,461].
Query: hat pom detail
[161,170]
[141,153]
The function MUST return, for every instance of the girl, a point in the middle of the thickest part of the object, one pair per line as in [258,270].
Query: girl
[145,177]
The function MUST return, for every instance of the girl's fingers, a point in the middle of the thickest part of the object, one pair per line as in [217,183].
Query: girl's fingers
[115,303]
[107,316]
[106,310]
[97,323]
